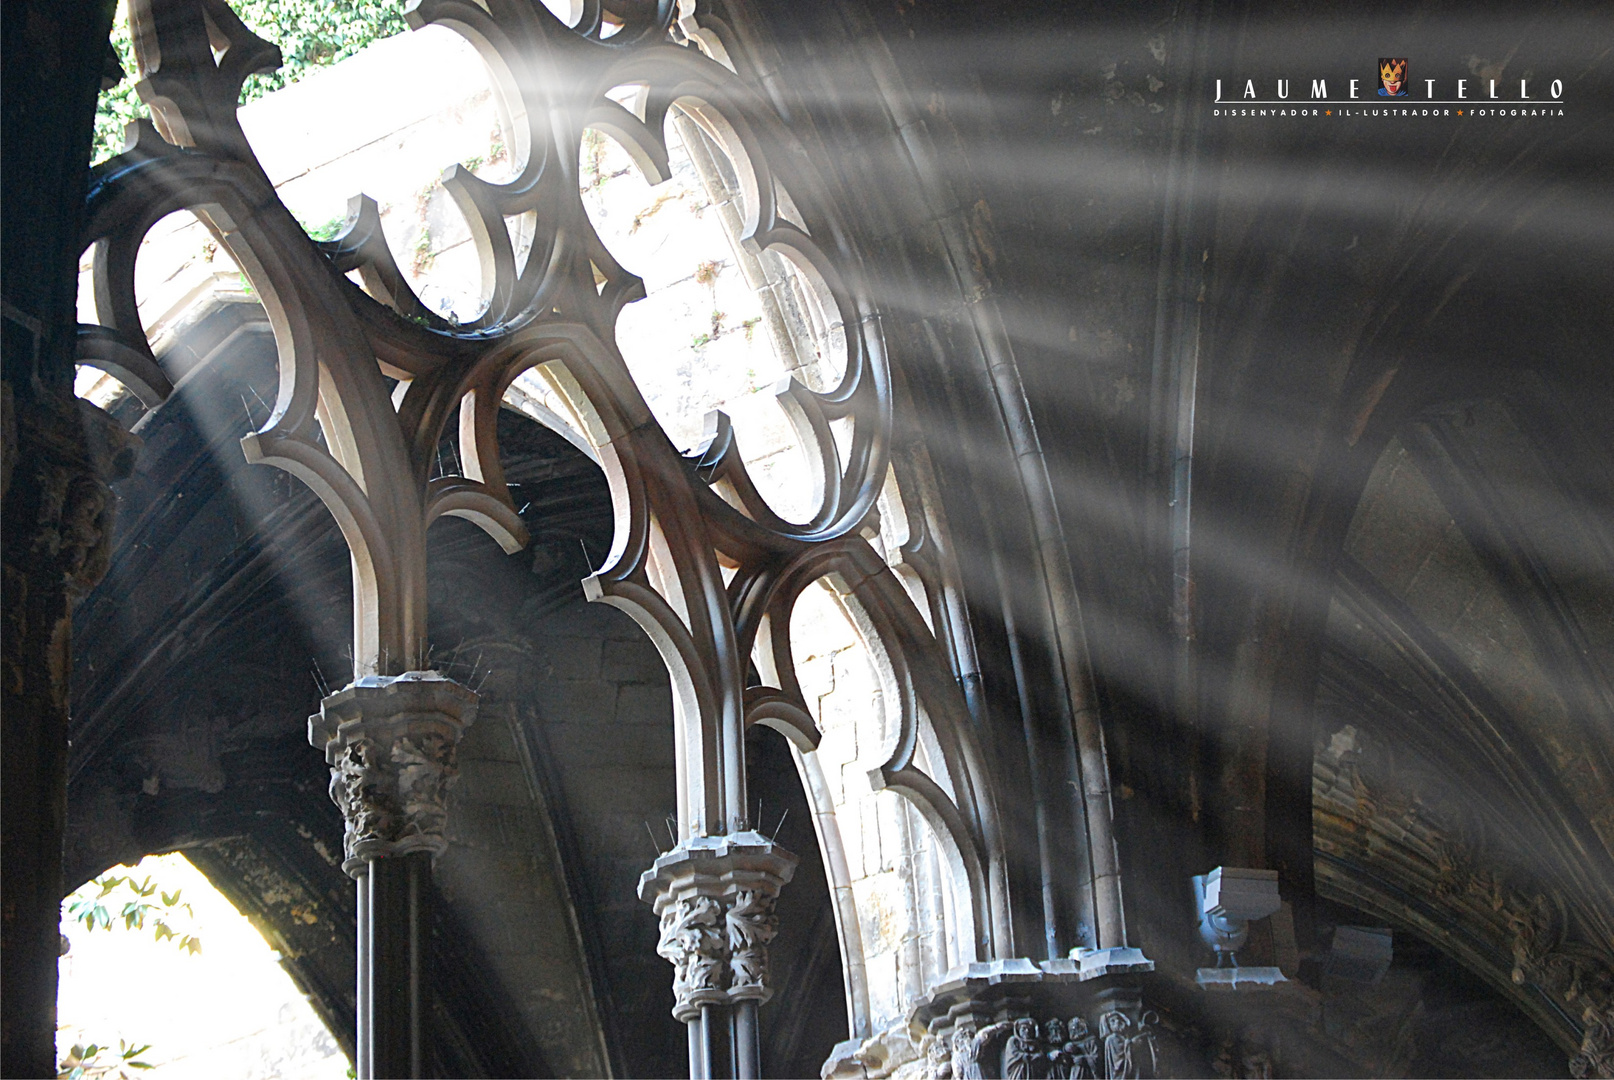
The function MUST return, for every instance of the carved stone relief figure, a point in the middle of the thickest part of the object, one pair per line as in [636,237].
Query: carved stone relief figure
[1128,1054]
[1117,1046]
[968,1044]
[1058,1054]
[1023,1055]
[938,1062]
[354,783]
[1083,1047]
[1054,1049]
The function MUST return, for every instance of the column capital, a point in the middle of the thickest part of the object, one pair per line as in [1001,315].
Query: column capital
[715,898]
[390,741]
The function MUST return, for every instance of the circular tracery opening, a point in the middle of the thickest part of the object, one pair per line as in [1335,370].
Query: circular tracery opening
[325,138]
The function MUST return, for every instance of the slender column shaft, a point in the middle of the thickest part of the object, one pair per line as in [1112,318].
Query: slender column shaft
[363,1061]
[747,1050]
[398,896]
[698,1064]
[716,1038]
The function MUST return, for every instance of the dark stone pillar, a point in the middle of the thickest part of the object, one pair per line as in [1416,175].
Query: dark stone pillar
[56,510]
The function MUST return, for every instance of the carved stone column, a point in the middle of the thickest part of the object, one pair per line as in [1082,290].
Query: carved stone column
[391,743]
[715,898]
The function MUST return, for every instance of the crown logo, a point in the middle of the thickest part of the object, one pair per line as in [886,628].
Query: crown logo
[1393,76]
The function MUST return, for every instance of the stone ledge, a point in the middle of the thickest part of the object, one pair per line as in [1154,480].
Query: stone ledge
[1239,978]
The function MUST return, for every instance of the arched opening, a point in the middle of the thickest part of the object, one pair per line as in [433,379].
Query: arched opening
[157,958]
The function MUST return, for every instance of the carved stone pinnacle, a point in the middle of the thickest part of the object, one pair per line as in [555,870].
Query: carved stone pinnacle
[390,741]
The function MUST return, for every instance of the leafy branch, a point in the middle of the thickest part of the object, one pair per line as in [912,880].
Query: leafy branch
[141,902]
[84,1062]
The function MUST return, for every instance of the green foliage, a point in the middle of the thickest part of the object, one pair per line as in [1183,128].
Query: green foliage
[593,158]
[118,107]
[310,33]
[142,902]
[84,1062]
[325,231]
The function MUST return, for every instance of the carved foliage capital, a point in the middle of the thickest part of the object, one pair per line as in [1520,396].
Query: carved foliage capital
[715,897]
[390,742]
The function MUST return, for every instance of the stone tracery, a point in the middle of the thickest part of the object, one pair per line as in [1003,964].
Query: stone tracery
[1538,936]
[369,379]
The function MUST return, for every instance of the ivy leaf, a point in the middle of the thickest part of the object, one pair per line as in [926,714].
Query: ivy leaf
[310,33]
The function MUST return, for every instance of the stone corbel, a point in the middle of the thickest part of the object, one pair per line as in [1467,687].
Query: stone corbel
[390,741]
[1226,901]
[1007,1030]
[715,897]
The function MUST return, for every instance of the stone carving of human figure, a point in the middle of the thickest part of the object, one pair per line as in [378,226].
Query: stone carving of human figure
[1058,1053]
[938,1063]
[963,1066]
[1023,1056]
[1145,1055]
[1118,1063]
[1083,1047]
[967,1047]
